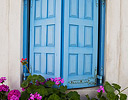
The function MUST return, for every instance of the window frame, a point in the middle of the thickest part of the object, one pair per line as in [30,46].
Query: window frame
[26,31]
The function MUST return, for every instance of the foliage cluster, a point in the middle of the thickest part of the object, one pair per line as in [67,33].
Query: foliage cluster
[46,88]
[112,92]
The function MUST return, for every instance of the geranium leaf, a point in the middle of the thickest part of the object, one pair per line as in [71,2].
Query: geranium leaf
[99,94]
[73,95]
[116,86]
[24,84]
[63,89]
[50,83]
[54,97]
[123,96]
[108,88]
[40,78]
[87,96]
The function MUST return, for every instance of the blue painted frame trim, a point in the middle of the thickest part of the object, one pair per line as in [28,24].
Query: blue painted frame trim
[102,38]
[101,35]
[25,32]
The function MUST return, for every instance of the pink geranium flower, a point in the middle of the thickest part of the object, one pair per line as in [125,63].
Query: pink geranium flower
[52,79]
[62,80]
[23,89]
[14,94]
[35,96]
[2,79]
[59,78]
[57,82]
[4,88]
[101,89]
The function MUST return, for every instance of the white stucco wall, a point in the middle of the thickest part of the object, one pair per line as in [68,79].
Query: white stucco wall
[10,41]
[116,42]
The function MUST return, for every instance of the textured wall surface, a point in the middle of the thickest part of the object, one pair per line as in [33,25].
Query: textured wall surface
[116,41]
[4,29]
[10,41]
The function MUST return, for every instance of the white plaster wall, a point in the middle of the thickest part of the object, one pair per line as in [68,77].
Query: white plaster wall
[116,43]
[112,40]
[123,70]
[15,31]
[10,41]
[4,38]
[116,40]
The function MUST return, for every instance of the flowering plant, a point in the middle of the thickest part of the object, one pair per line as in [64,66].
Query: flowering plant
[46,89]
[4,89]
[109,92]
[35,96]
[14,95]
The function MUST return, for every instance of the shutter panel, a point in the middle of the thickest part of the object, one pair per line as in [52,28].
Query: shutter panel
[45,37]
[80,43]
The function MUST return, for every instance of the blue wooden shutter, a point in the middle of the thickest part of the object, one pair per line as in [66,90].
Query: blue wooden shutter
[80,43]
[45,37]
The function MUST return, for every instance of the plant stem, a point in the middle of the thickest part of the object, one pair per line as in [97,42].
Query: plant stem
[124,89]
[27,69]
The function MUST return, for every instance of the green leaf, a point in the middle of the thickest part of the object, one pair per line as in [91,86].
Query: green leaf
[103,98]
[29,78]
[43,92]
[116,86]
[56,91]
[63,89]
[99,94]
[50,83]
[50,91]
[108,88]
[34,78]
[117,97]
[123,96]
[24,84]
[54,97]
[32,89]
[111,96]
[73,95]
[93,99]
[87,96]
[24,95]
[40,78]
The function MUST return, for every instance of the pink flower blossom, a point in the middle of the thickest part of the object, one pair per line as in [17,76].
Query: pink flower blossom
[62,80]
[59,78]
[35,96]
[52,79]
[23,89]
[14,93]
[101,89]
[56,79]
[14,97]
[2,79]
[4,88]
[57,82]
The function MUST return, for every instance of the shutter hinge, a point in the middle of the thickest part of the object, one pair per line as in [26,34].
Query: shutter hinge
[97,3]
[25,2]
[103,2]
[100,79]
[31,3]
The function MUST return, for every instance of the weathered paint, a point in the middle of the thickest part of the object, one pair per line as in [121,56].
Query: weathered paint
[116,55]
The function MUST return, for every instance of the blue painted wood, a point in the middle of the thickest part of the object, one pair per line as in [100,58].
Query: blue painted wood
[25,31]
[80,43]
[45,37]
[102,38]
